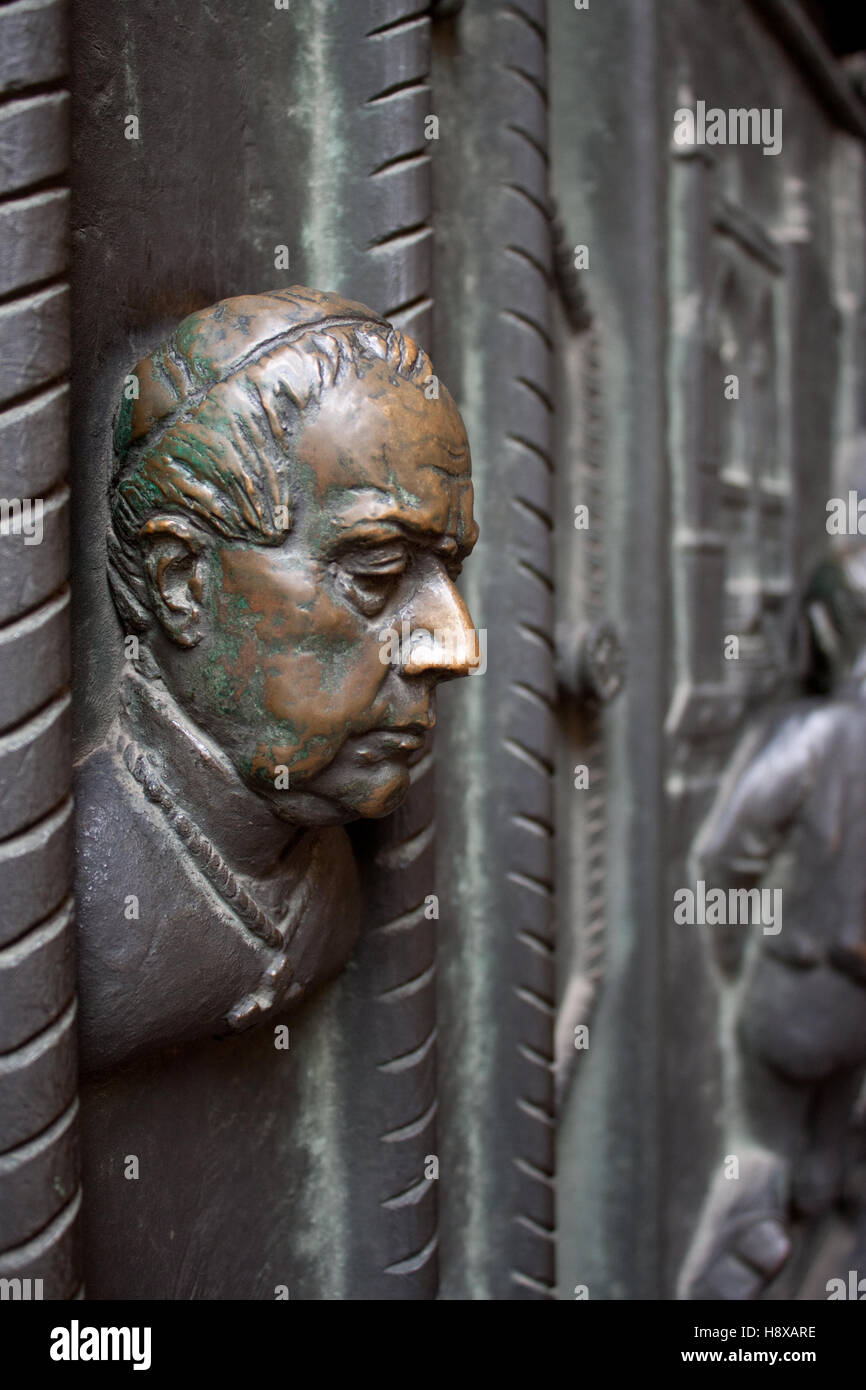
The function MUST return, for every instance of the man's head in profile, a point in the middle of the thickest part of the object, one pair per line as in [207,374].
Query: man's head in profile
[291,484]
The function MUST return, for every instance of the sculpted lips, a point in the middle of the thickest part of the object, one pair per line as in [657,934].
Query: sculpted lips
[379,745]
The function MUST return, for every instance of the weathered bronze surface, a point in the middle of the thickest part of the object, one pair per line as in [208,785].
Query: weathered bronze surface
[658,350]
[290,506]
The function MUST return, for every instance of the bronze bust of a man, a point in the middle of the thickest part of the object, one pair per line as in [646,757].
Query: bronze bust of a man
[291,488]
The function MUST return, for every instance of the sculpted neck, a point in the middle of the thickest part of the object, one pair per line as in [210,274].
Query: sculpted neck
[192,767]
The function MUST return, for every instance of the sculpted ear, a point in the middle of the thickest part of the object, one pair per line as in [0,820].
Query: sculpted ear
[174,559]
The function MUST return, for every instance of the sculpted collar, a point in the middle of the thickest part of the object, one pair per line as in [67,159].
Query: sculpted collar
[226,829]
[202,779]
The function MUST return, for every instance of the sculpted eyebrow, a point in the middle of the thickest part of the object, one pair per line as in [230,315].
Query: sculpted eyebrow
[378,534]
[370,535]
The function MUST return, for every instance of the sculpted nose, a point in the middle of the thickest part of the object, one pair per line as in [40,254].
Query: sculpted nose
[442,637]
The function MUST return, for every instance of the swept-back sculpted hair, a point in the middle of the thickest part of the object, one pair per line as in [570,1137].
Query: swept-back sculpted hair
[212,434]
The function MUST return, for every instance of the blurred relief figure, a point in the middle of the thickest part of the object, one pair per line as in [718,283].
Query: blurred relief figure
[791,814]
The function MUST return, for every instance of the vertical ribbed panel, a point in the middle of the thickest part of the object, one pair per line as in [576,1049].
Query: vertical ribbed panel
[495,339]
[526,808]
[400,873]
[398,949]
[592,889]
[39,1173]
[376,247]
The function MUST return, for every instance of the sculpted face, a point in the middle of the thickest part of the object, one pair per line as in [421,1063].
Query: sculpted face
[287,671]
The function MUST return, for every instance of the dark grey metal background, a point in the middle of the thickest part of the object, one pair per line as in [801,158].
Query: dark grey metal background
[638,1136]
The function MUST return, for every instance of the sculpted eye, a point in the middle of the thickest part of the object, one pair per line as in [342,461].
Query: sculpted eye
[369,577]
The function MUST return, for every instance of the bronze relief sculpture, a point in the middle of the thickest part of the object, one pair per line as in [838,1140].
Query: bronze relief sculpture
[290,505]
[791,813]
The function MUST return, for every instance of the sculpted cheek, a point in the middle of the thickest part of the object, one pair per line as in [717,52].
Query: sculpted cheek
[304,759]
[294,689]
[322,691]
[236,672]
[296,613]
[284,604]
[269,756]
[325,628]
[268,585]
